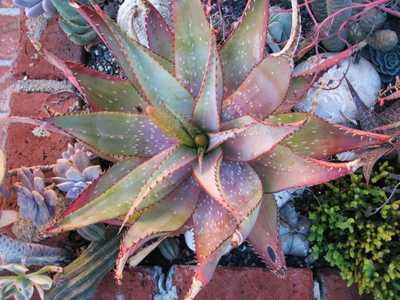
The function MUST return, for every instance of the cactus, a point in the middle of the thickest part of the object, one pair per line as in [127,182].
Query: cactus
[81,277]
[21,285]
[13,251]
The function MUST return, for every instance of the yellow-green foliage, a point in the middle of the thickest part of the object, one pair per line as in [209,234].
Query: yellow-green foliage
[355,230]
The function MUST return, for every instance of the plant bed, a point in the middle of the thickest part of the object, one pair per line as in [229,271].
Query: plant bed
[37,101]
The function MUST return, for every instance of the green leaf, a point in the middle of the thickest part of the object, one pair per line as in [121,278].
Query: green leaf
[165,218]
[14,268]
[245,48]
[115,133]
[192,43]
[171,171]
[24,288]
[43,281]
[170,125]
[140,66]
[118,198]
[105,92]
[208,104]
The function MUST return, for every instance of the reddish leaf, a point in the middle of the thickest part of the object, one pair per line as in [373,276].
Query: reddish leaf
[298,88]
[192,43]
[264,237]
[283,169]
[163,219]
[207,109]
[262,91]
[245,48]
[215,234]
[142,67]
[161,39]
[320,139]
[103,92]
[207,175]
[258,139]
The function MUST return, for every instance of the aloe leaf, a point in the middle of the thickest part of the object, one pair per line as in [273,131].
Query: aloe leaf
[279,170]
[258,139]
[298,88]
[170,172]
[170,125]
[163,219]
[320,139]
[158,86]
[2,166]
[115,133]
[245,48]
[207,175]
[105,92]
[264,237]
[120,194]
[216,232]
[161,39]
[192,43]
[207,109]
[262,91]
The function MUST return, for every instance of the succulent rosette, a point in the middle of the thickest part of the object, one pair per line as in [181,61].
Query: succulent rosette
[194,138]
[387,63]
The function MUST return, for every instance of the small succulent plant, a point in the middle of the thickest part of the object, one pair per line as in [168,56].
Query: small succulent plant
[71,22]
[36,201]
[74,172]
[14,251]
[387,63]
[21,285]
[280,24]
[34,8]
[293,231]
[193,136]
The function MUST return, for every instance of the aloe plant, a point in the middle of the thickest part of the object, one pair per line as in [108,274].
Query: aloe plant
[194,137]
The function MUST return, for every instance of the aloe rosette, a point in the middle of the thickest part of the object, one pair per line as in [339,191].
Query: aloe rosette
[194,138]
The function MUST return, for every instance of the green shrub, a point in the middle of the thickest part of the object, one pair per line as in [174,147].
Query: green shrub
[356,228]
